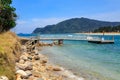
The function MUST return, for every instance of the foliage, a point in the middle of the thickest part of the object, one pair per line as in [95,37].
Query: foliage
[7,15]
[74,25]
[9,52]
[108,29]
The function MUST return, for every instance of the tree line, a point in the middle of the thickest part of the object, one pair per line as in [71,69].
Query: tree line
[108,29]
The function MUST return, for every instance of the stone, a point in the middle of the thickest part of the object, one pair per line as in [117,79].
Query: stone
[17,68]
[44,61]
[17,60]
[26,66]
[38,79]
[36,57]
[29,73]
[35,74]
[29,68]
[56,69]
[24,57]
[24,48]
[3,78]
[29,65]
[20,66]
[30,58]
[36,52]
[22,73]
[21,61]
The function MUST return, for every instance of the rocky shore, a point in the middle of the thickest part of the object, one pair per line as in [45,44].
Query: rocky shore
[32,65]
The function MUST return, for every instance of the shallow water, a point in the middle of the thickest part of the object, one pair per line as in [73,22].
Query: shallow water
[91,61]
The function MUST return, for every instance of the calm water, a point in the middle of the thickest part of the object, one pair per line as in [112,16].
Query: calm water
[91,61]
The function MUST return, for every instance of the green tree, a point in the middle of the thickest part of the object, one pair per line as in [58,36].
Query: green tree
[7,15]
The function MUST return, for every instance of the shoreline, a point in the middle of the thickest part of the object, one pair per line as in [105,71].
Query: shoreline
[34,65]
[105,33]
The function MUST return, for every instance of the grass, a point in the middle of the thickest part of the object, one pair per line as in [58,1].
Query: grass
[8,45]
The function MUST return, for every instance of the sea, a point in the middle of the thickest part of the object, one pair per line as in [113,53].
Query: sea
[88,60]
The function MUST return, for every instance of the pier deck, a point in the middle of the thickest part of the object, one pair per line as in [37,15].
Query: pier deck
[61,39]
[102,41]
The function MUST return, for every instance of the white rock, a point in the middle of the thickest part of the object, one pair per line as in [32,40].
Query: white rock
[24,48]
[38,79]
[21,72]
[29,73]
[36,52]
[28,63]
[24,57]
[21,61]
[26,66]
[3,78]
[20,66]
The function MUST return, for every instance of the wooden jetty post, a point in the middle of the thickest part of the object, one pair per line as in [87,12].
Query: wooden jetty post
[60,41]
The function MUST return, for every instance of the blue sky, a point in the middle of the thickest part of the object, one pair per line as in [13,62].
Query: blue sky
[39,13]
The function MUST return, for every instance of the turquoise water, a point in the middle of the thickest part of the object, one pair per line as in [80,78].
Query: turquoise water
[91,61]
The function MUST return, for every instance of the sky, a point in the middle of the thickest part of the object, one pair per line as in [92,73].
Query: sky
[39,13]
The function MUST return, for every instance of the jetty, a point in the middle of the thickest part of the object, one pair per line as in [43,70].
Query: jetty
[60,40]
[56,40]
[102,41]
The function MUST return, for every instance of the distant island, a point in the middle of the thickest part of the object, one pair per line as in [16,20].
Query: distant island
[75,25]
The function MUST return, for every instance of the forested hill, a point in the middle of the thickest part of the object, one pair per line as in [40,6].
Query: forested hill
[75,25]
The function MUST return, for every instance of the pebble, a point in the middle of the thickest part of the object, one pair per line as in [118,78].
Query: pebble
[56,69]
[3,78]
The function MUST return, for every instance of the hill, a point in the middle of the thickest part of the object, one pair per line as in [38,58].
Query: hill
[74,25]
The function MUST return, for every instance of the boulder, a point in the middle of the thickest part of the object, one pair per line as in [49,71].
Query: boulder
[3,78]
[20,66]
[22,73]
[29,73]
[24,57]
[21,61]
[36,57]
[29,65]
[29,68]
[36,52]
[26,66]
[24,48]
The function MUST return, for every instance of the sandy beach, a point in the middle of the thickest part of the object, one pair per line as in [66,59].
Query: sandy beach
[105,33]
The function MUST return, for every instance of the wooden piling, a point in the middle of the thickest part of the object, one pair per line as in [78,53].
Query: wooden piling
[60,41]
